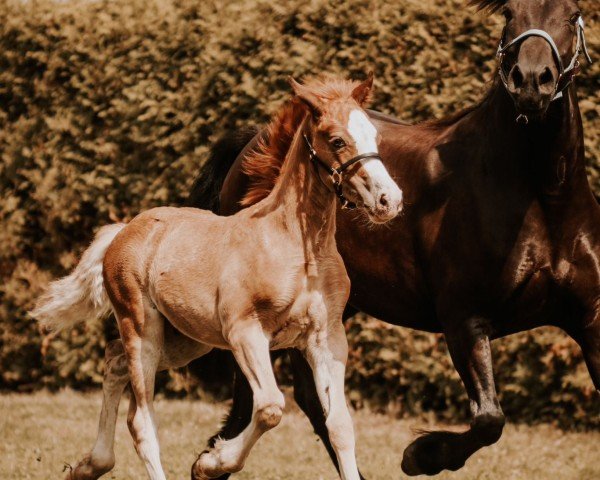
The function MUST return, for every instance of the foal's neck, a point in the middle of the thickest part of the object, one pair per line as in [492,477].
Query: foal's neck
[304,204]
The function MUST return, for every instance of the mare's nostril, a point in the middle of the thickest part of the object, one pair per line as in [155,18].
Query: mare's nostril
[545,77]
[383,200]
[517,77]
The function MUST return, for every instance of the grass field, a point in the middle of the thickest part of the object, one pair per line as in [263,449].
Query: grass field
[40,433]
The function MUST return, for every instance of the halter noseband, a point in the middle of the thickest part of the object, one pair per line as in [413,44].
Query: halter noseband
[565,75]
[336,174]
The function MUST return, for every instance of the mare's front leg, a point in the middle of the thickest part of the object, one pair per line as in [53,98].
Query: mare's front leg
[250,346]
[469,347]
[587,336]
[327,353]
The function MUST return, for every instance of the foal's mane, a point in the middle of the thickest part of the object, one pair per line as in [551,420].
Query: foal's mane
[263,164]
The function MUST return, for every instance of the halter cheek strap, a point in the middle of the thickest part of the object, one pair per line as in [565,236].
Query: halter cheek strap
[336,174]
[565,75]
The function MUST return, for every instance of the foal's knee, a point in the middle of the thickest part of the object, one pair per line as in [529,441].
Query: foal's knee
[489,426]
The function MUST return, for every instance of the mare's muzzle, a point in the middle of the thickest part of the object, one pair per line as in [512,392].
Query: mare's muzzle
[534,88]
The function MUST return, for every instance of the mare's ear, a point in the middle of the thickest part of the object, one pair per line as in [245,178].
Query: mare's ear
[307,97]
[362,93]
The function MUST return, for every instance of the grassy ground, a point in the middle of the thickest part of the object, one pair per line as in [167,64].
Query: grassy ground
[41,432]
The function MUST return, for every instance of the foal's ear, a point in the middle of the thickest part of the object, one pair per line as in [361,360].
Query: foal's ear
[307,97]
[362,93]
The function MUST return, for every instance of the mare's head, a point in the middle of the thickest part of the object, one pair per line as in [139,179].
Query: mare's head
[343,145]
[538,51]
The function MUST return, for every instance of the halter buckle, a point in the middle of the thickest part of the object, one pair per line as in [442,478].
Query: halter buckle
[336,178]
[522,118]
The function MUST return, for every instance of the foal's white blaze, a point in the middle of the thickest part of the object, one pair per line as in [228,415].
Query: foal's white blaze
[364,134]
[379,183]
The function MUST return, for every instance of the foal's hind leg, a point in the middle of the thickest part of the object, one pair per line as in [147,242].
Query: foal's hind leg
[250,346]
[143,339]
[102,457]
[436,451]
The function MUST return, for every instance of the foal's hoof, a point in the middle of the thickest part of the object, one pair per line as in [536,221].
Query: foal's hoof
[202,464]
[432,453]
[208,466]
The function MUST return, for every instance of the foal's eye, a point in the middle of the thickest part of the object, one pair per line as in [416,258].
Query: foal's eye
[574,18]
[337,143]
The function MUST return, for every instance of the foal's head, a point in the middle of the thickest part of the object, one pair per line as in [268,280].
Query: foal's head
[539,48]
[343,145]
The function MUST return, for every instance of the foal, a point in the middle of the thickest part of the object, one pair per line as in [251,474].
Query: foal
[269,277]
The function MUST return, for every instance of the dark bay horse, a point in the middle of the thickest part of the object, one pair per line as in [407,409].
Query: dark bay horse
[501,231]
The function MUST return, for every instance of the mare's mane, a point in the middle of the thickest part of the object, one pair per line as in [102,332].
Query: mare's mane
[489,6]
[263,164]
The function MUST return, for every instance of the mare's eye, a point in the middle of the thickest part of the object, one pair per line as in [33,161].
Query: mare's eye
[337,143]
[507,14]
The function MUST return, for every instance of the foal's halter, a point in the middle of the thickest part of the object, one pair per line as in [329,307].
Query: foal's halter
[336,174]
[565,75]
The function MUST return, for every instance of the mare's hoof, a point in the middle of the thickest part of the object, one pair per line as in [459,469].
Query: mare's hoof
[432,453]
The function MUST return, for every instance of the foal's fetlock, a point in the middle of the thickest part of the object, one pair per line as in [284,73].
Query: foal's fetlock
[269,417]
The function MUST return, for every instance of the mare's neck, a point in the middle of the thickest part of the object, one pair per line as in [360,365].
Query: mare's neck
[548,150]
[305,205]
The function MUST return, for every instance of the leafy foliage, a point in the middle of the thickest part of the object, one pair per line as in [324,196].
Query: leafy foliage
[108,108]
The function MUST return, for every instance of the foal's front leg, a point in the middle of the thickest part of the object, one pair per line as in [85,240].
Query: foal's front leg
[250,346]
[327,353]
[433,452]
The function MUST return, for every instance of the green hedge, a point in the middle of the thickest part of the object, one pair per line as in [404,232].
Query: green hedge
[109,107]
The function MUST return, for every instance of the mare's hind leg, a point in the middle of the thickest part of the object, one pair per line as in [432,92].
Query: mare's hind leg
[436,451]
[102,457]
[250,346]
[143,339]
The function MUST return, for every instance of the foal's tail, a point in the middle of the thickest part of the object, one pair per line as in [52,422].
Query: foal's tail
[207,186]
[81,295]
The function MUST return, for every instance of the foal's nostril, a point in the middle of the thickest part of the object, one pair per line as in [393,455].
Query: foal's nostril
[383,200]
[517,77]
[545,77]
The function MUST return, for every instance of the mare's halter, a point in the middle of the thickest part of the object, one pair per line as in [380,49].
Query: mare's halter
[565,75]
[336,174]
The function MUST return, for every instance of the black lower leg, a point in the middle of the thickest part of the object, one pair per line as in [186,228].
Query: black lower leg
[436,451]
